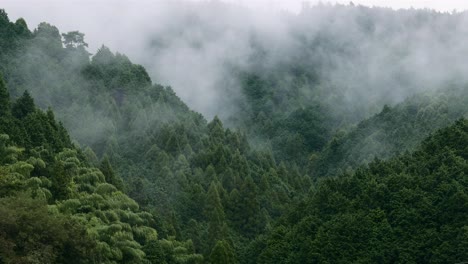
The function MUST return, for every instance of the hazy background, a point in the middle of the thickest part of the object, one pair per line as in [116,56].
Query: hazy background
[193,45]
[94,16]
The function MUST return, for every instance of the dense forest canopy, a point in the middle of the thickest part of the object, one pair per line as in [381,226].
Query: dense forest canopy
[336,135]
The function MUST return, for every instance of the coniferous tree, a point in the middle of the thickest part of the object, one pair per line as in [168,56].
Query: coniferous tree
[214,213]
[23,106]
[61,181]
[109,174]
[4,99]
[250,224]
[222,253]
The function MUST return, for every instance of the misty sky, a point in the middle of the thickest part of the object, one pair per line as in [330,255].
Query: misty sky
[17,7]
[295,5]
[88,16]
[38,10]
[129,26]
[84,15]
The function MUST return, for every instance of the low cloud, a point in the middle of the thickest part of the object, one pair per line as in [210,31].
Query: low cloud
[369,56]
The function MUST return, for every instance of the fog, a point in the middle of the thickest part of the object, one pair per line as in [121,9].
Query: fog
[194,45]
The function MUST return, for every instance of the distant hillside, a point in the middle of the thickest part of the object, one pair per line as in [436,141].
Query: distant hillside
[394,130]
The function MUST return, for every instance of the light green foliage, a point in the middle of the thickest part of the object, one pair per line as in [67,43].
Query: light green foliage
[172,251]
[87,220]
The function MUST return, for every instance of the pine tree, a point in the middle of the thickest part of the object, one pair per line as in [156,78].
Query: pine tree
[23,106]
[222,165]
[4,99]
[109,174]
[250,208]
[154,252]
[216,129]
[103,56]
[234,209]
[172,145]
[210,175]
[194,198]
[91,156]
[214,213]
[222,253]
[61,181]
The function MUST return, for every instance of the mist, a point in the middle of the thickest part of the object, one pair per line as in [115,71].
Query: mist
[198,48]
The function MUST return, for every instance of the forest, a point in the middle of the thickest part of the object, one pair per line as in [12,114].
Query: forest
[304,157]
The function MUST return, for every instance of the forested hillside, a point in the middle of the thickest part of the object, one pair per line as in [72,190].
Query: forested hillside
[293,82]
[200,180]
[99,164]
[409,209]
[57,206]
[392,131]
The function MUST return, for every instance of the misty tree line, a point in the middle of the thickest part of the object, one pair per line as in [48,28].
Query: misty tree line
[144,179]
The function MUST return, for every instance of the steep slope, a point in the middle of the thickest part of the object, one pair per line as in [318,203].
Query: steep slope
[201,181]
[290,80]
[409,209]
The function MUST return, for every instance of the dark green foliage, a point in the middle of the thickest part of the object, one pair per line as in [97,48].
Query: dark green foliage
[214,213]
[4,99]
[47,38]
[109,174]
[116,72]
[247,216]
[222,253]
[277,117]
[392,131]
[12,36]
[74,39]
[23,106]
[30,127]
[61,181]
[408,209]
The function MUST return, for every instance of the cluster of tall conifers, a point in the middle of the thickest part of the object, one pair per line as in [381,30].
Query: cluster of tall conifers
[410,208]
[156,183]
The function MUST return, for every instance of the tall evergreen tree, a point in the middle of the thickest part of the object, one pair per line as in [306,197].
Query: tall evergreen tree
[4,98]
[23,106]
[250,221]
[61,181]
[222,253]
[214,213]
[109,174]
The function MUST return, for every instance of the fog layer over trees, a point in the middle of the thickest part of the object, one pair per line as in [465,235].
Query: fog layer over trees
[225,135]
